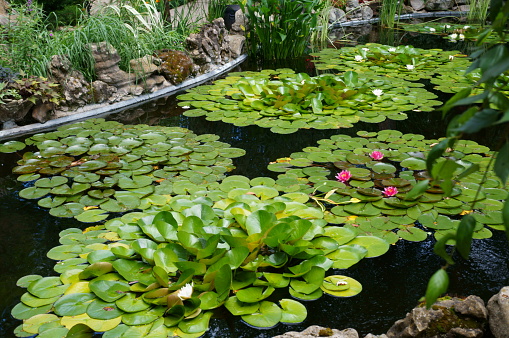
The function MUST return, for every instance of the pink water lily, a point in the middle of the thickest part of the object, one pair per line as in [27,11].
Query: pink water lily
[343,176]
[390,191]
[376,155]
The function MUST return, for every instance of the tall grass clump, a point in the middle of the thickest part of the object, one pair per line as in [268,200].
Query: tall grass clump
[388,12]
[478,11]
[215,8]
[133,31]
[280,29]
[320,35]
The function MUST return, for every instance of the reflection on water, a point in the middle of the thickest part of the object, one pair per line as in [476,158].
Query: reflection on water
[392,284]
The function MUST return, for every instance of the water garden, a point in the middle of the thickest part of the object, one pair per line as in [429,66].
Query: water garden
[339,187]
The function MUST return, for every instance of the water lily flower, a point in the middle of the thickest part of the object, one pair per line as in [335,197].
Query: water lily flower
[185,292]
[451,57]
[453,36]
[466,27]
[432,29]
[365,49]
[461,37]
[343,176]
[410,67]
[390,191]
[392,49]
[358,58]
[376,155]
[447,26]
[186,107]
[377,92]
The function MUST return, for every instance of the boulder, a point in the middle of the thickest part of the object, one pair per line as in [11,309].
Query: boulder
[446,318]
[75,89]
[239,26]
[353,12]
[106,66]
[337,15]
[236,45]
[417,5]
[102,92]
[439,5]
[176,66]
[14,110]
[498,309]
[367,12]
[144,67]
[318,331]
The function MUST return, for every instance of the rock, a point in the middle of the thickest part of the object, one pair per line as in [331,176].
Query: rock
[106,66]
[417,5]
[463,8]
[498,309]
[4,17]
[154,83]
[236,45]
[75,89]
[318,331]
[14,110]
[352,10]
[210,48]
[443,319]
[9,125]
[337,15]
[144,67]
[367,12]
[102,92]
[438,5]
[239,26]
[176,66]
[42,112]
[369,335]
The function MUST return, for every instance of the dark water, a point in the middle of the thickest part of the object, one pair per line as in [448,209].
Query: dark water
[392,283]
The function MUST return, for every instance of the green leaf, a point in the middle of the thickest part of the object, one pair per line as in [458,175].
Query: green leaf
[436,152]
[505,217]
[437,285]
[417,190]
[464,235]
[440,250]
[268,315]
[293,311]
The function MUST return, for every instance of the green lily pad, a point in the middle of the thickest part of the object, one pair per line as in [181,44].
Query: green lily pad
[268,315]
[341,286]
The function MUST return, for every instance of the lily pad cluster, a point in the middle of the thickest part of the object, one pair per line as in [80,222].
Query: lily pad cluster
[404,62]
[452,32]
[285,101]
[88,169]
[393,196]
[164,271]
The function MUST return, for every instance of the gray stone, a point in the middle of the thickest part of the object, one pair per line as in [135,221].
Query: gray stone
[367,12]
[143,67]
[370,335]
[472,306]
[452,315]
[417,5]
[102,92]
[75,89]
[106,66]
[239,26]
[236,45]
[498,309]
[439,5]
[9,125]
[318,331]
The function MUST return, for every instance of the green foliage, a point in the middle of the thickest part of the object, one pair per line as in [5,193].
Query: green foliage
[36,89]
[285,101]
[389,12]
[487,109]
[133,32]
[280,29]
[166,269]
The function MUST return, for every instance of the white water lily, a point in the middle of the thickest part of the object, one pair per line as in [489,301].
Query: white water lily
[186,107]
[377,92]
[410,67]
[453,36]
[451,57]
[432,29]
[447,26]
[358,58]
[392,49]
[466,27]
[185,292]
[461,37]
[365,49]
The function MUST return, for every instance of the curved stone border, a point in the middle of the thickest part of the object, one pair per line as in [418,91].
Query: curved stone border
[402,16]
[101,110]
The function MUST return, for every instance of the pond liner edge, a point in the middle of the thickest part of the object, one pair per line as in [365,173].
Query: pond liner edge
[105,110]
[402,16]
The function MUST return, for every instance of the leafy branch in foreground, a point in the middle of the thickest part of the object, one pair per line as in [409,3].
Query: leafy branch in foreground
[488,109]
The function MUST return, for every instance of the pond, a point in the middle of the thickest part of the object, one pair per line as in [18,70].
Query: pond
[392,283]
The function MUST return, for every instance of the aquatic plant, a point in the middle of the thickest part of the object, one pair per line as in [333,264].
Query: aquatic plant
[88,169]
[285,101]
[405,62]
[280,29]
[165,270]
[395,197]
[389,12]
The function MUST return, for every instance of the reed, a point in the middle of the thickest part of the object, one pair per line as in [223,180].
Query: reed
[389,10]
[478,11]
